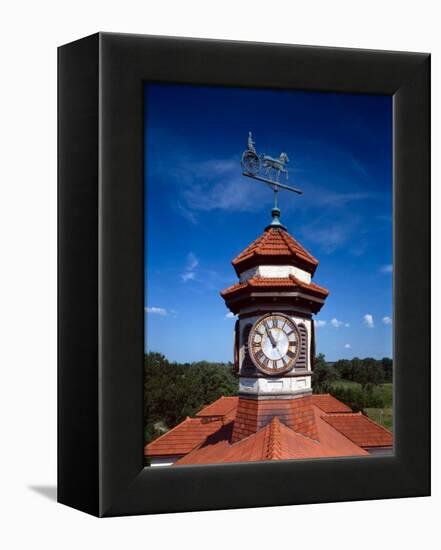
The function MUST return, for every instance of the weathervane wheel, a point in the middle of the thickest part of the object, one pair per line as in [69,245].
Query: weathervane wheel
[250,162]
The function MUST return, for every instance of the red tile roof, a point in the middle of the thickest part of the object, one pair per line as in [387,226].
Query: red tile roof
[183,438]
[275,246]
[221,407]
[275,441]
[266,284]
[329,404]
[208,438]
[360,429]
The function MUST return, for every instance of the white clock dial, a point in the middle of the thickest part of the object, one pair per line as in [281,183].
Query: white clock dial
[274,343]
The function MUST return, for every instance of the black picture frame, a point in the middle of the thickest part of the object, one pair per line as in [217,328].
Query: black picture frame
[101,274]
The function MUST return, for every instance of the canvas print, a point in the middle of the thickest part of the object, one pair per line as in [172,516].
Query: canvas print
[268,275]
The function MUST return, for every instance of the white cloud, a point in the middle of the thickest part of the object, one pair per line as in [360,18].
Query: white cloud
[186,213]
[368,320]
[331,232]
[388,268]
[333,322]
[188,276]
[230,315]
[347,346]
[216,184]
[336,323]
[192,263]
[387,320]
[156,310]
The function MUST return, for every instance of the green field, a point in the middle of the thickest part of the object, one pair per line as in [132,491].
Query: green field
[345,384]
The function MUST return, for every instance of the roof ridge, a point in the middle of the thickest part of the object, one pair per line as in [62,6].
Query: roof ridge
[292,242]
[250,249]
[300,434]
[274,446]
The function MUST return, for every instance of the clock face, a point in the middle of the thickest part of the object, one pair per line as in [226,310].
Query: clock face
[274,344]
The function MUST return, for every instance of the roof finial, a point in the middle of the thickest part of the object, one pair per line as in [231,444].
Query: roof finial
[276,214]
[267,169]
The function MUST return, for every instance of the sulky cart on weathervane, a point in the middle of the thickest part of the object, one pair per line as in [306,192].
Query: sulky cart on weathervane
[265,168]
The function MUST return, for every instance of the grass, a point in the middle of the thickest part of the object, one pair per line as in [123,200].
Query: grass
[345,384]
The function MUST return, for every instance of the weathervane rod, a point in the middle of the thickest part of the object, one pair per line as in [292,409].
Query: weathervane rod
[273,183]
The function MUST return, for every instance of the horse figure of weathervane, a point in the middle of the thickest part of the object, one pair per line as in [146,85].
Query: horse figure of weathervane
[252,163]
[267,170]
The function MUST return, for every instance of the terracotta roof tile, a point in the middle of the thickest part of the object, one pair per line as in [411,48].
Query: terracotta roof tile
[272,283]
[275,441]
[274,244]
[360,429]
[183,438]
[222,407]
[329,404]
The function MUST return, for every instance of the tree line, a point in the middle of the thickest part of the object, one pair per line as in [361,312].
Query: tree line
[363,371]
[368,373]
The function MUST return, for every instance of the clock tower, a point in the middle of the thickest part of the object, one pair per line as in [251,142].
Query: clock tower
[275,301]
[275,416]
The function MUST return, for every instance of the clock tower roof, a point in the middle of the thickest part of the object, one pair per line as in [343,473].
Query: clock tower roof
[275,247]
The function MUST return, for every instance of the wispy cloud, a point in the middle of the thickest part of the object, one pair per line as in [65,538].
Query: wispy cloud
[192,261]
[331,233]
[347,346]
[186,213]
[333,323]
[369,320]
[358,166]
[336,199]
[337,324]
[231,194]
[189,273]
[386,320]
[188,276]
[215,184]
[387,268]
[156,311]
[230,315]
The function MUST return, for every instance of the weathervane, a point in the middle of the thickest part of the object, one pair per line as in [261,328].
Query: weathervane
[267,170]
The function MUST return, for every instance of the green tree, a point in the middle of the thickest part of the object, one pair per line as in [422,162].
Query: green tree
[323,374]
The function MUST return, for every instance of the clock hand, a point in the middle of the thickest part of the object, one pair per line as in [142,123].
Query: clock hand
[270,336]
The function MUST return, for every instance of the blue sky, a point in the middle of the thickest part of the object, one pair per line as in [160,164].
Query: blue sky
[201,211]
